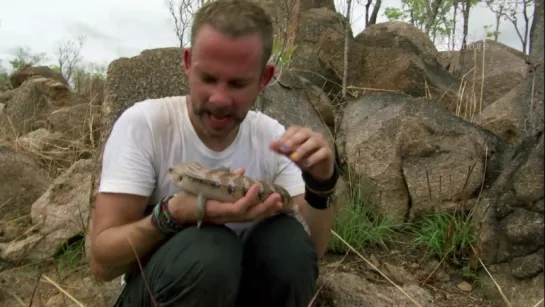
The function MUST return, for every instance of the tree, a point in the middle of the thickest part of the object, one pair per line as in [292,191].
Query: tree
[347,38]
[428,15]
[23,56]
[497,7]
[508,10]
[371,20]
[182,12]
[465,7]
[68,55]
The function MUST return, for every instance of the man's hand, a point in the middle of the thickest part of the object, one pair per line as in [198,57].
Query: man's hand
[183,207]
[308,149]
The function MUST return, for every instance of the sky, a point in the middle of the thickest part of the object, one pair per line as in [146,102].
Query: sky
[123,28]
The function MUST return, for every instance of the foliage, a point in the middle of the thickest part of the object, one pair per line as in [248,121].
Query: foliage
[508,10]
[282,52]
[446,236]
[24,56]
[68,62]
[359,226]
[443,25]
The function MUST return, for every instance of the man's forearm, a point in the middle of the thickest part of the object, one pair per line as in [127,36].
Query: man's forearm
[320,223]
[113,254]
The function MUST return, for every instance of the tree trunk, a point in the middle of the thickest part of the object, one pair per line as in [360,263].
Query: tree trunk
[466,6]
[533,91]
[374,14]
[347,38]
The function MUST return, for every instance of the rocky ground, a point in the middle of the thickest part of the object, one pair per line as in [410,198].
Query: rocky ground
[66,280]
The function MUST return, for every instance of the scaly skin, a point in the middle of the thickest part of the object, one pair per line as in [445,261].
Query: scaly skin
[222,185]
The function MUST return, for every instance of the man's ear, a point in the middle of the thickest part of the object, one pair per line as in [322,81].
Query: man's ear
[187,60]
[268,73]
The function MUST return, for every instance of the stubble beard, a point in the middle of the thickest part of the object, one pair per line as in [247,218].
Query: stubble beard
[201,113]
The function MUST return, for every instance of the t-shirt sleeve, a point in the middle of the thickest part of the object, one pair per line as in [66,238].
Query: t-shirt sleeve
[127,163]
[288,174]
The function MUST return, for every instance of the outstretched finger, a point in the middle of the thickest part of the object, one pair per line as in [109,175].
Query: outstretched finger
[265,209]
[249,199]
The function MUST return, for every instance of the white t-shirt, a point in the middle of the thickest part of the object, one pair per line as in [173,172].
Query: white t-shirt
[154,134]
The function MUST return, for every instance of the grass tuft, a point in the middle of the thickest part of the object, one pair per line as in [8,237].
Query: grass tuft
[445,235]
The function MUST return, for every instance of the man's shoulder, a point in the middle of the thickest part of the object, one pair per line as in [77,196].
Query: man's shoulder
[152,111]
[264,124]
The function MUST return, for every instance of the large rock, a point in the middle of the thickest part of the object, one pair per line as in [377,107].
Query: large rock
[22,182]
[510,224]
[415,156]
[399,35]
[28,72]
[59,215]
[502,69]
[391,62]
[505,116]
[510,220]
[151,74]
[305,60]
[350,290]
[29,105]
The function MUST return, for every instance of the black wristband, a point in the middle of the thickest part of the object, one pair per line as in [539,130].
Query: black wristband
[319,194]
[325,187]
[316,201]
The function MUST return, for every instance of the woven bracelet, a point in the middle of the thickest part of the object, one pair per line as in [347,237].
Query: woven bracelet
[163,220]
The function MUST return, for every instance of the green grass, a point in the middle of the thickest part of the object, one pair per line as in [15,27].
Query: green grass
[69,258]
[445,235]
[359,227]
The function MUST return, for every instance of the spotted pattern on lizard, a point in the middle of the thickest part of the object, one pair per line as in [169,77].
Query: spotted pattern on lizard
[223,185]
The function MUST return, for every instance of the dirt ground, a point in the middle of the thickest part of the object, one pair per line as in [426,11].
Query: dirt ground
[66,279]
[447,284]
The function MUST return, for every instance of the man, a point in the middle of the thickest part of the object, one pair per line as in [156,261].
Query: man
[231,260]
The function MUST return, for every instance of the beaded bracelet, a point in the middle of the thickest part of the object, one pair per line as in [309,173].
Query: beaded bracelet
[162,219]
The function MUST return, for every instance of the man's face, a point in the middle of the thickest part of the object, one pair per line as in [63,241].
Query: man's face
[225,77]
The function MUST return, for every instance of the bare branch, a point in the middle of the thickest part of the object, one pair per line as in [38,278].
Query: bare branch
[182,12]
[347,38]
[69,56]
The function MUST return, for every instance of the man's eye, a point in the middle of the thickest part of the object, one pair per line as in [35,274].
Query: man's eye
[208,79]
[238,84]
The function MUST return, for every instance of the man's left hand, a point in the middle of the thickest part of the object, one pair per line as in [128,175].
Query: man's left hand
[308,149]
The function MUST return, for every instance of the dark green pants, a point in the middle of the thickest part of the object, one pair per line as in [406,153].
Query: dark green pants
[272,264]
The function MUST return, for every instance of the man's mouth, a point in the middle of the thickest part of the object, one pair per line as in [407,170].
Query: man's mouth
[218,121]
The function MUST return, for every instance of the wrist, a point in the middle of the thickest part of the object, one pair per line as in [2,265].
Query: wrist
[165,220]
[322,187]
[319,193]
[180,208]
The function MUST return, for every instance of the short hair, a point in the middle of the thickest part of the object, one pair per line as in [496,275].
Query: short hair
[236,18]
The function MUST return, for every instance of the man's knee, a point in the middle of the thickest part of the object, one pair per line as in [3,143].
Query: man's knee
[279,264]
[281,245]
[210,250]
[194,264]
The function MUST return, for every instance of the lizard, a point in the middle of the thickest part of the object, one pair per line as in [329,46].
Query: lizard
[223,185]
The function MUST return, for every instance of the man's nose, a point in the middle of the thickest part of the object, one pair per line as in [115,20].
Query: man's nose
[220,96]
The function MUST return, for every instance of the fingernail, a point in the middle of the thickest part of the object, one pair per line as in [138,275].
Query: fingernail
[284,147]
[294,156]
[305,163]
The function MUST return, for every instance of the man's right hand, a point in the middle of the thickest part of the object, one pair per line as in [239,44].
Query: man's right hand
[183,207]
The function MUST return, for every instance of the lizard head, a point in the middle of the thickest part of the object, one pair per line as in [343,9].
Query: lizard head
[178,171]
[175,174]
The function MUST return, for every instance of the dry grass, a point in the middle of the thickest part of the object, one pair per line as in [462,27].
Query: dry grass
[54,153]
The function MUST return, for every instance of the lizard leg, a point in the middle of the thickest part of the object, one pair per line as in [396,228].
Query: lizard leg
[201,203]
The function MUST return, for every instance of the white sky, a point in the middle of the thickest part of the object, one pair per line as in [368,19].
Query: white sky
[123,28]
